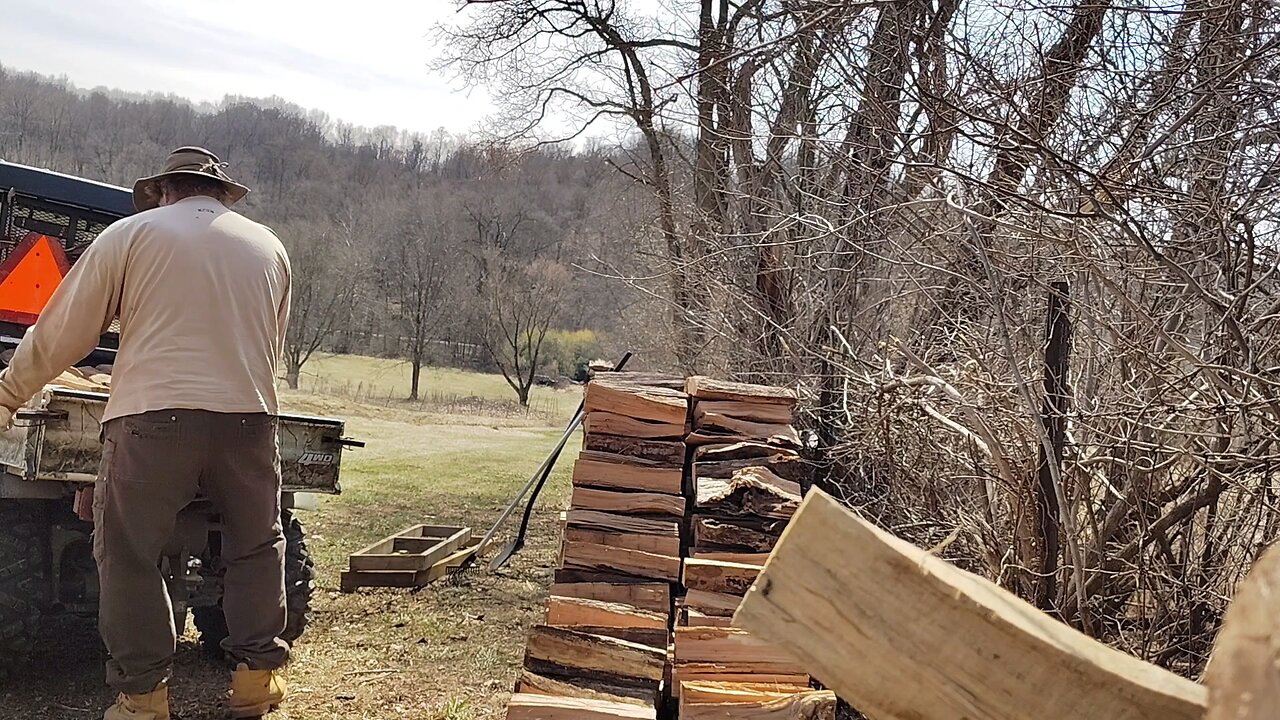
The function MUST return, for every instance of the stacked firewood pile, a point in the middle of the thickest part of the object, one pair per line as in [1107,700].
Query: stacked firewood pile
[602,651]
[746,485]
[670,500]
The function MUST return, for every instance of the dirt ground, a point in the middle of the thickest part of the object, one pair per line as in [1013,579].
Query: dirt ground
[449,651]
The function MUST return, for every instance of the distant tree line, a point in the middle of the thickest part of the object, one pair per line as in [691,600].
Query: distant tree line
[402,244]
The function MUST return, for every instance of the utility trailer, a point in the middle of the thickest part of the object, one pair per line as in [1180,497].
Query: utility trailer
[49,458]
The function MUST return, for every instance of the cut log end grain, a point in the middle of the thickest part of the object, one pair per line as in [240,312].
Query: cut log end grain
[731,647]
[655,597]
[608,425]
[571,612]
[712,533]
[592,472]
[713,427]
[610,522]
[701,387]
[568,652]
[603,558]
[710,603]
[715,576]
[629,503]
[535,684]
[640,402]
[743,701]
[527,706]
[658,544]
[752,491]
[751,411]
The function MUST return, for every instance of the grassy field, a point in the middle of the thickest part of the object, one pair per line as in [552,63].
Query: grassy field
[449,651]
[384,381]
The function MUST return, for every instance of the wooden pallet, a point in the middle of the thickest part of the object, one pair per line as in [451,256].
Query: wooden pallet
[410,558]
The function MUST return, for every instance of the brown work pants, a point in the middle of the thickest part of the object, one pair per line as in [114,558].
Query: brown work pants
[153,465]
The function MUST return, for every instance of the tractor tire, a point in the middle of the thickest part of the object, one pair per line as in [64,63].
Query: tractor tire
[24,545]
[299,586]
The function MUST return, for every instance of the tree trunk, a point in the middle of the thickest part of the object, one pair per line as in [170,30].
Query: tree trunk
[1056,358]
[523,393]
[417,373]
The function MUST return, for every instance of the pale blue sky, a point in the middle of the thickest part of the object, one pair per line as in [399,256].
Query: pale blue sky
[364,62]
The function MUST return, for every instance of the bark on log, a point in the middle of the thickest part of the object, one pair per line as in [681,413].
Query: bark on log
[534,684]
[668,453]
[642,402]
[752,491]
[701,387]
[603,558]
[609,522]
[576,651]
[658,544]
[714,576]
[709,533]
[627,476]
[527,706]
[631,503]
[655,597]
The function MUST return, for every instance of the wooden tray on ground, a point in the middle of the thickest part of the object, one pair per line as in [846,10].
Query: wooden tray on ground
[410,558]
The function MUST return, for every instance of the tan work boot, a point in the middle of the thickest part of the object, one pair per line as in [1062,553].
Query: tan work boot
[254,693]
[144,706]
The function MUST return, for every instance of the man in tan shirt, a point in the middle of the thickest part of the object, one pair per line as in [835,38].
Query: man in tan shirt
[202,295]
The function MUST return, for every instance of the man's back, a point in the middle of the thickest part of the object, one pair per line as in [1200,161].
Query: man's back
[202,297]
[201,313]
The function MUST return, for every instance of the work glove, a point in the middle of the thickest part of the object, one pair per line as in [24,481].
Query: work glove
[6,418]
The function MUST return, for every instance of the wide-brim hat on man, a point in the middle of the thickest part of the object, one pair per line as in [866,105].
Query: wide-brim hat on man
[192,161]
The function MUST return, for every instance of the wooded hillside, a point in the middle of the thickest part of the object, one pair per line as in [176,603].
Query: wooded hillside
[426,247]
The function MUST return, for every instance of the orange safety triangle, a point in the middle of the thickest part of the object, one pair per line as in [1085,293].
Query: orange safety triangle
[29,276]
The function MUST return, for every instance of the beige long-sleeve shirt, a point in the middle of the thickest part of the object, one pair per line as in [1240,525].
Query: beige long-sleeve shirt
[202,294]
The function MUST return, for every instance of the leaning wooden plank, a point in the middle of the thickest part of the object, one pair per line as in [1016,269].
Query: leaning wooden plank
[660,544]
[729,646]
[753,411]
[594,653]
[1244,671]
[757,559]
[609,522]
[641,402]
[654,596]
[716,576]
[711,533]
[753,491]
[627,503]
[945,643]
[594,473]
[602,422]
[590,556]
[572,612]
[526,706]
[535,684]
[411,553]
[701,387]
[712,700]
